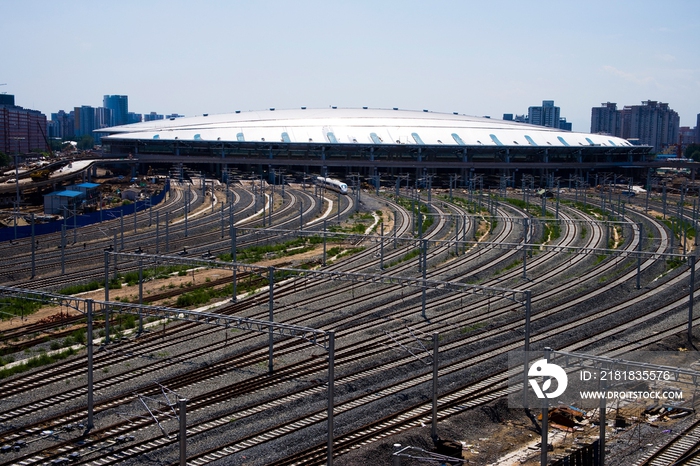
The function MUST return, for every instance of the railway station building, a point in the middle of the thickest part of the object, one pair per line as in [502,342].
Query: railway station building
[370,142]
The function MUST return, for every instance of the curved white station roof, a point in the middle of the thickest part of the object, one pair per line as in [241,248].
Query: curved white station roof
[357,126]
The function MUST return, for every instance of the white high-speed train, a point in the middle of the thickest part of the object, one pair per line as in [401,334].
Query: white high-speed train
[330,183]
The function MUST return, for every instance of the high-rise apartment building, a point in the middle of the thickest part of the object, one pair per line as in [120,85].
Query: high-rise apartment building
[84,120]
[134,118]
[52,129]
[652,123]
[103,117]
[153,116]
[119,105]
[21,130]
[517,118]
[65,124]
[686,136]
[606,119]
[546,115]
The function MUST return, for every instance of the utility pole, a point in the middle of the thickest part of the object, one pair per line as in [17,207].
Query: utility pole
[17,201]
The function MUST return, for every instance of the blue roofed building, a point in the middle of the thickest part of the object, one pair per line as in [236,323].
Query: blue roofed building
[89,190]
[59,202]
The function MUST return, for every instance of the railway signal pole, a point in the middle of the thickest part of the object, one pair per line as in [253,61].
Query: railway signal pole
[33,247]
[381,247]
[167,237]
[423,258]
[433,427]
[63,249]
[691,298]
[233,260]
[331,395]
[271,318]
[90,398]
[182,414]
[157,232]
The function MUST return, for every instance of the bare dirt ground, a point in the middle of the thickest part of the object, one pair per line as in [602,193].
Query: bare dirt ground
[158,285]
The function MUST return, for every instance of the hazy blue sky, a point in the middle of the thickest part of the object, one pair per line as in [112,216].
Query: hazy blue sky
[485,57]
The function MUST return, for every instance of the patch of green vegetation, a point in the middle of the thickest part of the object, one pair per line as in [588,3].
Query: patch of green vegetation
[473,327]
[416,208]
[13,307]
[678,228]
[513,265]
[132,278]
[149,273]
[610,276]
[7,360]
[202,296]
[412,254]
[42,360]
[288,248]
[128,321]
[532,209]
[351,251]
[357,228]
[552,230]
[471,207]
[80,336]
[674,262]
[80,288]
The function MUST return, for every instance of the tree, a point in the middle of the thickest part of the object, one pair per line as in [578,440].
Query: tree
[86,142]
[5,159]
[692,151]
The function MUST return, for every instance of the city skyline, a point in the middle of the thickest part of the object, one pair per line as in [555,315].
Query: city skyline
[472,58]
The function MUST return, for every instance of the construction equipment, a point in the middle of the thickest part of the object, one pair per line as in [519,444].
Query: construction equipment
[40,175]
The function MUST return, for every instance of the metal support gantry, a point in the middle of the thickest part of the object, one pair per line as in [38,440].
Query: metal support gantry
[322,339]
[430,359]
[514,295]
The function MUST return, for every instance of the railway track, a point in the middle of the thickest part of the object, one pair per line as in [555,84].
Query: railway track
[684,449]
[413,310]
[203,230]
